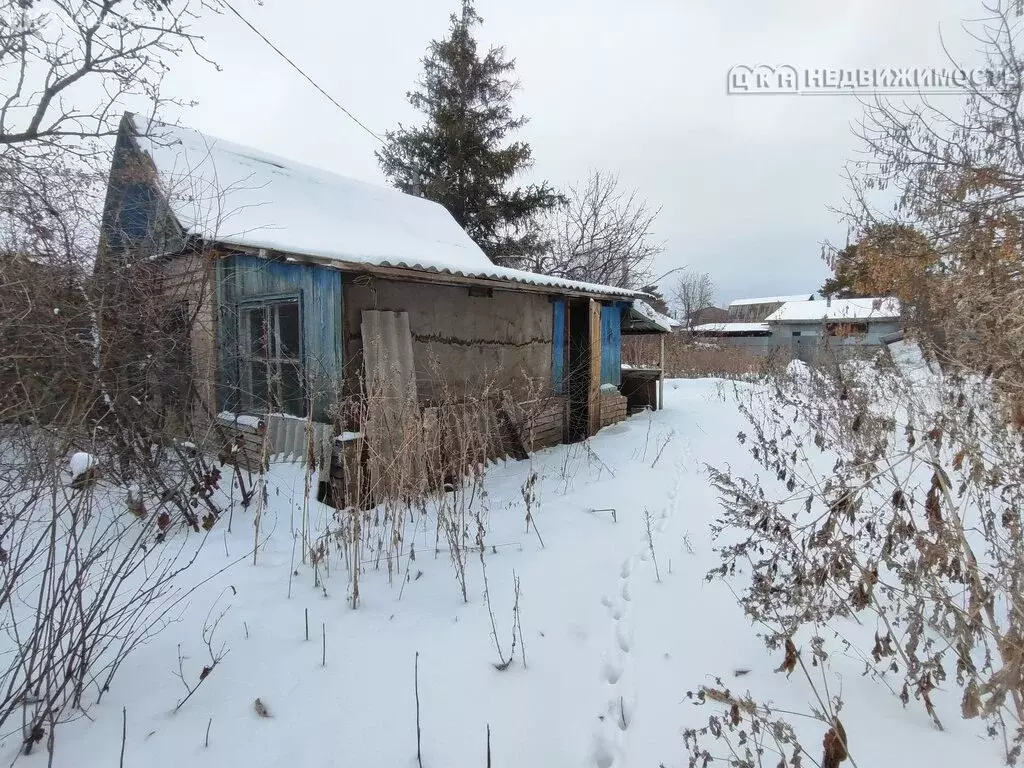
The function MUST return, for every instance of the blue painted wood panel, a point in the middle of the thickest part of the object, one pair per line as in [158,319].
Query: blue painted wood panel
[136,220]
[558,347]
[247,281]
[611,345]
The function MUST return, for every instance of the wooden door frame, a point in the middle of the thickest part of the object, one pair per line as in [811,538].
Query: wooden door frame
[594,394]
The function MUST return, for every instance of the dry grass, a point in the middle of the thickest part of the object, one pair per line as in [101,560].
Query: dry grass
[686,358]
[417,472]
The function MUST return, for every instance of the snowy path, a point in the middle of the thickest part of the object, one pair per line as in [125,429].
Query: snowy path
[611,650]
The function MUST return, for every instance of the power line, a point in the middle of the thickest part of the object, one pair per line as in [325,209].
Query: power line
[299,69]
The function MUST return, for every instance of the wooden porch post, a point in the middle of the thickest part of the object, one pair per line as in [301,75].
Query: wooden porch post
[594,395]
[661,376]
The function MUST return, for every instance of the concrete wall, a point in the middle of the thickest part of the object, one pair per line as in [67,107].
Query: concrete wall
[462,342]
[876,329]
[813,343]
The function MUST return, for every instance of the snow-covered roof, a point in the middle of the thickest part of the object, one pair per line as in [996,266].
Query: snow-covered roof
[233,194]
[653,317]
[771,300]
[836,309]
[726,329]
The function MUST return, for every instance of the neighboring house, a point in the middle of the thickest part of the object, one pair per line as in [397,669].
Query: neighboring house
[757,310]
[805,328]
[707,315]
[743,324]
[319,299]
[837,325]
[757,336]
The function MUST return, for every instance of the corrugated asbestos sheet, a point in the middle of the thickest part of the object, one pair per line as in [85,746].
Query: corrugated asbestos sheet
[392,425]
[295,439]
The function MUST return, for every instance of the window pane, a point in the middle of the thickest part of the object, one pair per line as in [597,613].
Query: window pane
[288,319]
[257,332]
[258,396]
[292,398]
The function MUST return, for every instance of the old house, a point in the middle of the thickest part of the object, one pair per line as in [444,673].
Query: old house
[834,326]
[757,310]
[352,319]
[806,328]
[704,316]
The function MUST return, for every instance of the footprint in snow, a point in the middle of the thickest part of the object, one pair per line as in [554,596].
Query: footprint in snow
[621,711]
[624,637]
[604,752]
[613,668]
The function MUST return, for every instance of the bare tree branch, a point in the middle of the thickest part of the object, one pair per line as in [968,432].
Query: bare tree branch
[603,234]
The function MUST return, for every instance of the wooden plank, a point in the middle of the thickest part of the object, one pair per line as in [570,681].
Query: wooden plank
[558,346]
[661,376]
[611,345]
[594,393]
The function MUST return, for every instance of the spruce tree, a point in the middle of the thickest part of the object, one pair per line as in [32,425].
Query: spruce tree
[656,300]
[460,157]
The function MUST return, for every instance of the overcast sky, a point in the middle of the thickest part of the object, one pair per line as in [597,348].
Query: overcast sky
[636,87]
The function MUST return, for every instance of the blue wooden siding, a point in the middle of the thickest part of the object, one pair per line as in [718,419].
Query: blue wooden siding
[136,219]
[611,345]
[138,209]
[245,281]
[558,347]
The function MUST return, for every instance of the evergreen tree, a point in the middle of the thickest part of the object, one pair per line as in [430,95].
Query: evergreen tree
[842,284]
[656,300]
[459,157]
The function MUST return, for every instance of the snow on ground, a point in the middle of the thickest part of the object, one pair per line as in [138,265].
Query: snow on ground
[610,650]
[80,463]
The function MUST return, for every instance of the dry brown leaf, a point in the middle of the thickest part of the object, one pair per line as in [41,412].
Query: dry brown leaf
[958,460]
[933,509]
[716,695]
[734,714]
[788,663]
[834,745]
[971,704]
